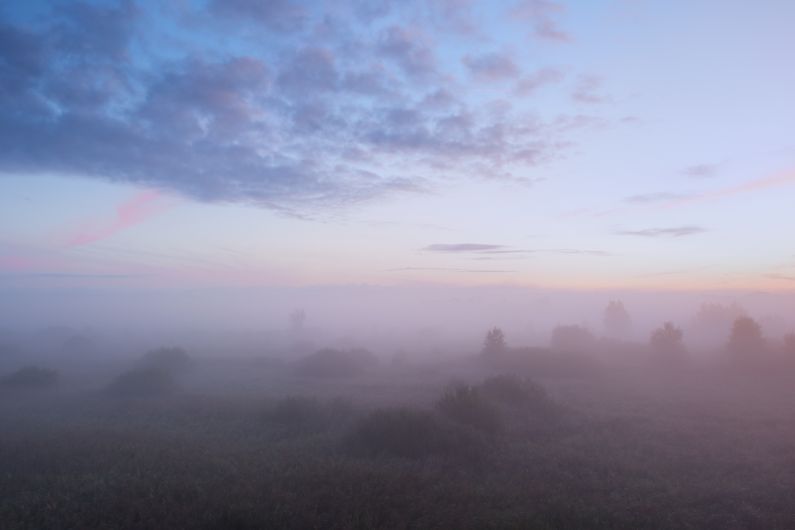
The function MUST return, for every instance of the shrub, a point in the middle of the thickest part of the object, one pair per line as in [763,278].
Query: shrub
[329,362]
[412,433]
[31,377]
[173,360]
[515,391]
[143,383]
[464,404]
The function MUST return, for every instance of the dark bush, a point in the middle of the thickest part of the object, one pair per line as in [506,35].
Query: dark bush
[515,391]
[464,404]
[31,377]
[337,363]
[412,433]
[144,382]
[173,360]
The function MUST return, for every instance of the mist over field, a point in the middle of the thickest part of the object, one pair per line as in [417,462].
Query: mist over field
[429,318]
[375,264]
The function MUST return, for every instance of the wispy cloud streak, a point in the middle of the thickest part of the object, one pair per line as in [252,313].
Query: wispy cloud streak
[131,212]
[777,180]
[463,247]
[678,231]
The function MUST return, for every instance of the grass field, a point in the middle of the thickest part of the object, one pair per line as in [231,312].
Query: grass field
[251,444]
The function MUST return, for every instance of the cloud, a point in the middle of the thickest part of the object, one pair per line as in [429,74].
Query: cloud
[129,213]
[312,113]
[777,180]
[701,170]
[274,15]
[74,275]
[491,67]
[494,251]
[577,252]
[650,198]
[447,269]
[678,231]
[16,263]
[542,13]
[409,49]
[784,277]
[463,247]
[532,82]
[587,90]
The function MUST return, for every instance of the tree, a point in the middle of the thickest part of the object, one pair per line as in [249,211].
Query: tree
[174,360]
[31,377]
[494,344]
[572,338]
[717,317]
[789,343]
[667,343]
[297,320]
[616,319]
[746,337]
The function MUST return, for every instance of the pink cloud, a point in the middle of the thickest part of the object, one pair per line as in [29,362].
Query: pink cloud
[131,212]
[16,263]
[778,180]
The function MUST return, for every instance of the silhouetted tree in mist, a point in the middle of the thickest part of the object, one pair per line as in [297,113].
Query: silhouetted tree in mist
[168,359]
[789,344]
[77,344]
[31,377]
[464,404]
[298,320]
[667,344]
[494,343]
[330,362]
[746,338]
[716,319]
[143,382]
[572,338]
[616,319]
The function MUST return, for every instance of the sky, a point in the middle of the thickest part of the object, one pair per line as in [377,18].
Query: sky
[608,144]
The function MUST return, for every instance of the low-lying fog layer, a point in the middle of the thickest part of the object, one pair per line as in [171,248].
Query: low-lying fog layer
[385,408]
[419,319]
